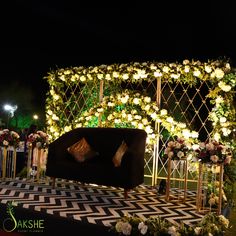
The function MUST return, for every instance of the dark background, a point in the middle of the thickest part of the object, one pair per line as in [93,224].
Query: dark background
[39,36]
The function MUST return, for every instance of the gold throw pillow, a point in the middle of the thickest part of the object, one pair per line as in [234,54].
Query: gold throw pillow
[81,150]
[119,154]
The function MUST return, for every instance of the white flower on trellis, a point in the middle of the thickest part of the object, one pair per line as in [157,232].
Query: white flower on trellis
[145,121]
[123,115]
[130,117]
[165,69]
[163,112]
[147,99]
[88,118]
[124,99]
[100,110]
[219,73]
[115,74]
[197,73]
[217,136]
[82,78]
[226,131]
[117,121]
[213,75]
[62,77]
[136,76]
[90,77]
[134,123]
[153,67]
[138,117]
[185,62]
[208,69]
[110,104]
[96,114]
[186,69]
[125,76]
[223,119]
[169,119]
[56,97]
[147,107]
[194,134]
[110,117]
[136,101]
[181,125]
[224,86]
[108,77]
[55,117]
[140,126]
[175,76]
[186,133]
[149,129]
[218,100]
[100,76]
[154,115]
[157,73]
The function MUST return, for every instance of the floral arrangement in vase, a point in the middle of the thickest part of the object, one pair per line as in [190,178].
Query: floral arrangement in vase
[177,150]
[9,138]
[213,152]
[211,224]
[38,139]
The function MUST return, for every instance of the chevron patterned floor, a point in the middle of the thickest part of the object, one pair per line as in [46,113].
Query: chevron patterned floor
[96,204]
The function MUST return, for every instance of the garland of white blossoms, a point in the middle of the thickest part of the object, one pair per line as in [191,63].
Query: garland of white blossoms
[218,72]
[128,114]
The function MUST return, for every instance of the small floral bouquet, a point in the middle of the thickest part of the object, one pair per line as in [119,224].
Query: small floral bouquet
[177,150]
[213,152]
[9,138]
[38,139]
[211,224]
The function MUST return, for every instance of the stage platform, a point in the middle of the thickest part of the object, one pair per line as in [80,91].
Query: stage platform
[85,209]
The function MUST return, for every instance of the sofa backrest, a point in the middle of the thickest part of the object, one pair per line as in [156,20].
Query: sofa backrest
[103,140]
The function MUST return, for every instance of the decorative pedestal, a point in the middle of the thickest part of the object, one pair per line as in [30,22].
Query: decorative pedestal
[8,162]
[36,159]
[177,172]
[201,200]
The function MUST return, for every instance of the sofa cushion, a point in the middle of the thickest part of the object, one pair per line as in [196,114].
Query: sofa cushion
[117,158]
[82,151]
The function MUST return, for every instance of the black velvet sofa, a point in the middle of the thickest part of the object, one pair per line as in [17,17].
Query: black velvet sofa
[100,169]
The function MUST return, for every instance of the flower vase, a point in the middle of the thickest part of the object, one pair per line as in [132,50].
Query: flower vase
[9,162]
[203,182]
[29,162]
[177,171]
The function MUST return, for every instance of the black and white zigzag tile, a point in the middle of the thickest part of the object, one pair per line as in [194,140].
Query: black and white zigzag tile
[96,204]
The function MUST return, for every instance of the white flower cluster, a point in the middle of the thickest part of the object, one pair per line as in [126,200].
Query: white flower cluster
[140,117]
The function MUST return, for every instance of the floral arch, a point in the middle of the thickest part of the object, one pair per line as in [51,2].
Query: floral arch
[80,96]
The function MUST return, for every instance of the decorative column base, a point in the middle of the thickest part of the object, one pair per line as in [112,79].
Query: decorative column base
[179,168]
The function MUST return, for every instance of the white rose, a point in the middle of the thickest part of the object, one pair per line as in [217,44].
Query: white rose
[197,73]
[126,228]
[5,143]
[223,119]
[180,154]
[219,74]
[224,86]
[208,69]
[142,228]
[166,69]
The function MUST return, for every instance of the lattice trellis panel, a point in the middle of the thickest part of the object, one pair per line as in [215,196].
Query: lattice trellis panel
[187,104]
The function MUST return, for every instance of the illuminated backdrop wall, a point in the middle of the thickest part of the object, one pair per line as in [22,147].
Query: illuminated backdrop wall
[192,99]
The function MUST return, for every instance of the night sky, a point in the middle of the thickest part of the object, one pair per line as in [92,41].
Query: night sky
[38,36]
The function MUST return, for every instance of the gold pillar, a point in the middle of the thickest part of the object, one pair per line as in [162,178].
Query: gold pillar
[157,128]
[38,164]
